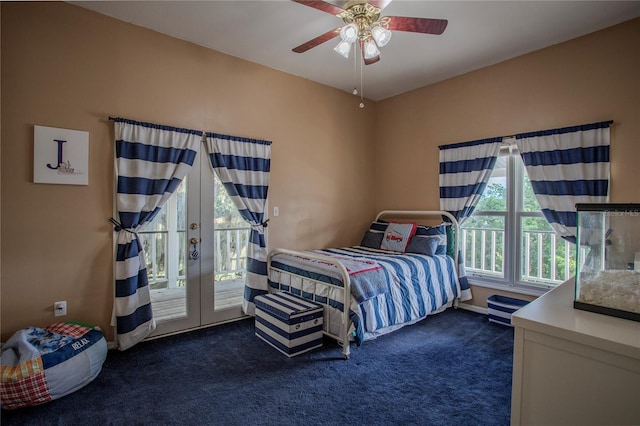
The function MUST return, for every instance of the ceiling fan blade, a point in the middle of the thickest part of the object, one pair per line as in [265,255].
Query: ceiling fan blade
[321,5]
[316,41]
[417,25]
[380,4]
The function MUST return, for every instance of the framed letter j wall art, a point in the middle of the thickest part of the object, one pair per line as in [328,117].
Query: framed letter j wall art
[60,156]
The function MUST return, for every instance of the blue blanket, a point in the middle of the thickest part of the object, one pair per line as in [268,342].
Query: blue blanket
[366,276]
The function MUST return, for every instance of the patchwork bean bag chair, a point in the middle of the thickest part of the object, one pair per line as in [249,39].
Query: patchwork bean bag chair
[39,365]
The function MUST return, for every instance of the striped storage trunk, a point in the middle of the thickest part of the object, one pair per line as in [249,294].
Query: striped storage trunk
[500,308]
[288,323]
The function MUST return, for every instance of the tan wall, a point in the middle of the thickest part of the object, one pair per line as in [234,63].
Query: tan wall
[63,66]
[589,79]
[0,176]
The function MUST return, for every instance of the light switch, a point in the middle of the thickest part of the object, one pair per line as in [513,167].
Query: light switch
[276,211]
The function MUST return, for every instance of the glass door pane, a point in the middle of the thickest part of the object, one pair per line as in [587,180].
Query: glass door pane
[230,244]
[175,296]
[164,243]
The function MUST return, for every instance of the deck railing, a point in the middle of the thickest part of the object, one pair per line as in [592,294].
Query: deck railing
[545,258]
[230,257]
[231,252]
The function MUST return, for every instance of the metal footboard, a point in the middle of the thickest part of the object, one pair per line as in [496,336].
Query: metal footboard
[345,289]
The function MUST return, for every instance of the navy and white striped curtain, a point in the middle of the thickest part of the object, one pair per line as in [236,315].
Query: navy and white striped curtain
[465,169]
[567,166]
[243,166]
[151,161]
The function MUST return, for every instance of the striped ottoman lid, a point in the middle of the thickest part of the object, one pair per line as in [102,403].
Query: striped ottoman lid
[286,306]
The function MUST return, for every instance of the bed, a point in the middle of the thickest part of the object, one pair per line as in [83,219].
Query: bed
[399,274]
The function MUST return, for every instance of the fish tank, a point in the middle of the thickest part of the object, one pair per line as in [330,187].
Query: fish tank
[608,260]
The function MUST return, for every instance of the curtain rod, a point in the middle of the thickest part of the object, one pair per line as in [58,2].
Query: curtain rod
[607,123]
[589,126]
[157,126]
[199,132]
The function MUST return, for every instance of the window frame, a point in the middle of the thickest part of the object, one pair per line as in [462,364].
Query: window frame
[512,262]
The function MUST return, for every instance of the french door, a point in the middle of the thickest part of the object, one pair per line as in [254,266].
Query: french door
[195,252]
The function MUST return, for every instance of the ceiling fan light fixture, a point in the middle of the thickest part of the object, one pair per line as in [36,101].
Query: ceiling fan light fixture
[343,48]
[370,50]
[381,35]
[349,33]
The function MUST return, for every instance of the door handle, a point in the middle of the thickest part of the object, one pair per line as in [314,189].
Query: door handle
[194,254]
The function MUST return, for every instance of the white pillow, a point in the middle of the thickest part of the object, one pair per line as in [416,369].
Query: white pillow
[397,236]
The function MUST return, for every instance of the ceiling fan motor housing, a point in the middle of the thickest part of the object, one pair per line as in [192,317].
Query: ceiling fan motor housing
[365,16]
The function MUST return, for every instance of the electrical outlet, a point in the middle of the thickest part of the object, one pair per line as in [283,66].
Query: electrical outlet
[60,308]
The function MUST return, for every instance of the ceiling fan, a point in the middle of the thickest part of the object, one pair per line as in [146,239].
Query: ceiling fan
[365,25]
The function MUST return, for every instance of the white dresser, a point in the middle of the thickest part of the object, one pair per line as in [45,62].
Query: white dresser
[572,367]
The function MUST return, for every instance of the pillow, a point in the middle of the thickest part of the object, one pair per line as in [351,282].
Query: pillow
[378,225]
[423,245]
[397,236]
[439,231]
[372,239]
[451,242]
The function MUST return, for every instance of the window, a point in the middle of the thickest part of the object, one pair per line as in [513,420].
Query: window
[231,237]
[507,241]
[163,238]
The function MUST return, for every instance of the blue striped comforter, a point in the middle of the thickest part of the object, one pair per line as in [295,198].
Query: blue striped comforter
[415,286]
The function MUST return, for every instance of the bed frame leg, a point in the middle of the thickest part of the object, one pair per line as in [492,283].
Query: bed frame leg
[346,350]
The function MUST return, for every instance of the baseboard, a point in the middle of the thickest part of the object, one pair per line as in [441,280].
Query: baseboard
[473,308]
[466,306]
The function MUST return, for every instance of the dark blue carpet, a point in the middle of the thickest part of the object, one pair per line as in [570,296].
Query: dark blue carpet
[453,368]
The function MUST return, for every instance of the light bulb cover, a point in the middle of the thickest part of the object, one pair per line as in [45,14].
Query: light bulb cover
[370,50]
[381,35]
[343,48]
[349,33]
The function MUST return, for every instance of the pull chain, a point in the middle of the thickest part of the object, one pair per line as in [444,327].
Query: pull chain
[355,69]
[361,84]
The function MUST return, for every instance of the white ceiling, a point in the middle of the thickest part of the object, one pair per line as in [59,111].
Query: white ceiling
[480,33]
